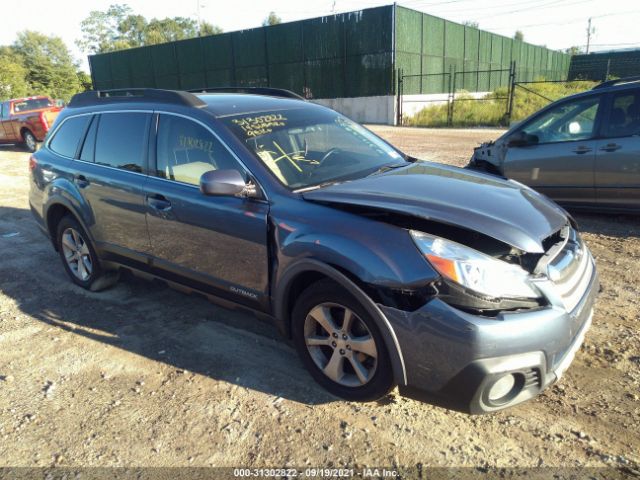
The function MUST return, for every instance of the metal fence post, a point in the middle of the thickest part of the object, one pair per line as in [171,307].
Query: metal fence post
[512,90]
[399,92]
[452,95]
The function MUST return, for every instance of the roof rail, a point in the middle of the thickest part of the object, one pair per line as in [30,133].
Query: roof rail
[618,81]
[268,91]
[97,97]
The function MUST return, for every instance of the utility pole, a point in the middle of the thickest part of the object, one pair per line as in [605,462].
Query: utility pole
[200,22]
[590,31]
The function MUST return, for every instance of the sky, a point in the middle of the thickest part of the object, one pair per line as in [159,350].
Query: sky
[558,24]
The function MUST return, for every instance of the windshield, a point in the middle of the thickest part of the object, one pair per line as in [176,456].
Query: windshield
[307,147]
[32,104]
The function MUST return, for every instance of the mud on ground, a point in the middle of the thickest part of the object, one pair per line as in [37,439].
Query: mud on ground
[141,375]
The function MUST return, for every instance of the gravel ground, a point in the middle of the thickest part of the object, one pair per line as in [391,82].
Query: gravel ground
[141,375]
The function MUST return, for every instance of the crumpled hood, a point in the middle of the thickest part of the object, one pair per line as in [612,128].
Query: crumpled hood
[504,210]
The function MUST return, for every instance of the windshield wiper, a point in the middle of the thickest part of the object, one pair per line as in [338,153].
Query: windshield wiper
[386,168]
[317,186]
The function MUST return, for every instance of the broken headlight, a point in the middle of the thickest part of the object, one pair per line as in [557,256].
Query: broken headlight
[475,270]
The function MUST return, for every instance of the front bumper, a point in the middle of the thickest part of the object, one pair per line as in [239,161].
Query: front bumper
[453,358]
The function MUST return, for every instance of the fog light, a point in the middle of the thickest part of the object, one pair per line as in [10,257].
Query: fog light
[502,387]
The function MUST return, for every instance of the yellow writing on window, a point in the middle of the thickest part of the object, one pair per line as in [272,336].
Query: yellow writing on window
[260,125]
[193,143]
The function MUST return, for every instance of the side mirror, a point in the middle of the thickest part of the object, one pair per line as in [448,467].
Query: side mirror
[222,182]
[522,139]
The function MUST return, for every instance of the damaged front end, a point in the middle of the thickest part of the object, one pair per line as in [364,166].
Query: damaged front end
[486,284]
[447,286]
[488,157]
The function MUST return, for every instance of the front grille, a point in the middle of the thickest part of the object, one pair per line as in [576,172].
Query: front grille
[569,267]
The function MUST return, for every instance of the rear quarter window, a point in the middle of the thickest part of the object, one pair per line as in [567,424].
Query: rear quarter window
[121,140]
[66,140]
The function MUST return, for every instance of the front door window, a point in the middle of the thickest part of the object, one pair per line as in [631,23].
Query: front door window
[569,121]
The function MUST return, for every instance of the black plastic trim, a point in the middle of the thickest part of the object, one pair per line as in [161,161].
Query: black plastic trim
[138,95]
[281,308]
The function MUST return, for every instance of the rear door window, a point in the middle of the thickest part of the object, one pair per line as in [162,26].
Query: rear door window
[121,141]
[66,140]
[624,118]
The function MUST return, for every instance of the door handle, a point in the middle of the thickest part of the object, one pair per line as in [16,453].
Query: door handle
[81,181]
[159,202]
[582,149]
[610,147]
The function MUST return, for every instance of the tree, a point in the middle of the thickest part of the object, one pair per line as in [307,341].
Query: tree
[471,23]
[272,19]
[208,29]
[519,35]
[118,28]
[102,31]
[13,75]
[49,66]
[84,80]
[574,50]
[169,30]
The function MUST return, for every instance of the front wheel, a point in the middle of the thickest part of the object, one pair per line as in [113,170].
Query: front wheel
[29,141]
[340,344]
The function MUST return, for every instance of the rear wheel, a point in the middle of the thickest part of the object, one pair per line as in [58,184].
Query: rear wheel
[340,344]
[29,141]
[79,257]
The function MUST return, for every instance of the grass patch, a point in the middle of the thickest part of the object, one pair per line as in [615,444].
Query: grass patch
[490,110]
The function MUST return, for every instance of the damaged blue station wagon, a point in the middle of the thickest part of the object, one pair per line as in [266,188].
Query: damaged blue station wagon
[463,289]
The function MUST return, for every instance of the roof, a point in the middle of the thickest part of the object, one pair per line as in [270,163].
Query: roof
[24,99]
[227,104]
[619,83]
[221,103]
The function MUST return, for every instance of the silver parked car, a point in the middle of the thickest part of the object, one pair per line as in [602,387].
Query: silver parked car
[583,151]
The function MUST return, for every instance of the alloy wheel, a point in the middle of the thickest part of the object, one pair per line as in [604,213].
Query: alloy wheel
[340,344]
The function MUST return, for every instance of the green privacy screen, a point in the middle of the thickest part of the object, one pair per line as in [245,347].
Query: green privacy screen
[605,65]
[345,55]
[429,49]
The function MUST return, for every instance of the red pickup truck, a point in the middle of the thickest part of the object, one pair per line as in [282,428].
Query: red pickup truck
[27,120]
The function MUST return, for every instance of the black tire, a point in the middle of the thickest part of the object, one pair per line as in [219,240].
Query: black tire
[96,279]
[29,141]
[381,381]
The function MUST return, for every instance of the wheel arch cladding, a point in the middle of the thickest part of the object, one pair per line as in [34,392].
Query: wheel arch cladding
[305,272]
[55,213]
[57,208]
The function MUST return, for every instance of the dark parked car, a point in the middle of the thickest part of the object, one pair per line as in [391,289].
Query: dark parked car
[463,289]
[582,151]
